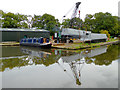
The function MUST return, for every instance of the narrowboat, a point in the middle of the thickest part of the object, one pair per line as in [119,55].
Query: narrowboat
[36,42]
[82,35]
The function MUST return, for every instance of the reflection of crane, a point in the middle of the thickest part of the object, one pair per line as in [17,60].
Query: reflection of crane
[76,74]
[75,67]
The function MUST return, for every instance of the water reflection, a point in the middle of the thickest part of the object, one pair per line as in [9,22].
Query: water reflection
[106,58]
[99,56]
[75,59]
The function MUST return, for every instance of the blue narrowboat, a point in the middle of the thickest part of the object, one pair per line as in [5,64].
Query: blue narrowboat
[37,42]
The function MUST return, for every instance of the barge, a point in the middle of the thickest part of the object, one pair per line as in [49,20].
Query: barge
[82,35]
[36,42]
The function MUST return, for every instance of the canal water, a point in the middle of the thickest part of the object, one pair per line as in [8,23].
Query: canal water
[30,67]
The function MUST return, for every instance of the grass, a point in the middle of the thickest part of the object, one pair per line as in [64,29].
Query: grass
[112,39]
[93,45]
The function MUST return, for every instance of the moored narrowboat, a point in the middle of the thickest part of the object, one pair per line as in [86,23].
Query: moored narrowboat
[37,42]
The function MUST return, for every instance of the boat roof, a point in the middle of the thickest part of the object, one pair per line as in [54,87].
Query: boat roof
[17,29]
[70,31]
[33,38]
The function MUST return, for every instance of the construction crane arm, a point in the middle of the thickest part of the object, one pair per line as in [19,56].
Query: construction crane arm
[75,10]
[76,6]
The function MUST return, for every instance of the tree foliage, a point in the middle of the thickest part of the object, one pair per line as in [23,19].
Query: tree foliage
[11,20]
[46,21]
[106,58]
[105,32]
[89,22]
[102,21]
[75,23]
[66,23]
[95,23]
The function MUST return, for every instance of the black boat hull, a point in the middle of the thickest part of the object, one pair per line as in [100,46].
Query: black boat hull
[37,45]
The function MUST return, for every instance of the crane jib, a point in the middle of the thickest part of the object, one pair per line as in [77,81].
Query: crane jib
[77,4]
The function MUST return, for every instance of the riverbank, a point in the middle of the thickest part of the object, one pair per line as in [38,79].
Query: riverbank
[77,46]
[9,44]
[68,46]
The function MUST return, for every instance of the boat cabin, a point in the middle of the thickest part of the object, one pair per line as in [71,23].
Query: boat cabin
[35,40]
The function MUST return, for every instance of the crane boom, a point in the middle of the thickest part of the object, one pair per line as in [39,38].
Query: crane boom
[75,10]
[76,6]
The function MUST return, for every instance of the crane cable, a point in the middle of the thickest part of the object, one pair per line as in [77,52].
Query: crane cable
[67,13]
[70,10]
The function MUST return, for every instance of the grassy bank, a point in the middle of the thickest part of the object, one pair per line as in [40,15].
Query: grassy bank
[9,43]
[76,46]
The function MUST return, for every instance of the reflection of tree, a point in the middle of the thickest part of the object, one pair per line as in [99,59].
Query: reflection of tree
[24,61]
[105,58]
[46,60]
[67,53]
[102,59]
[13,62]
[119,50]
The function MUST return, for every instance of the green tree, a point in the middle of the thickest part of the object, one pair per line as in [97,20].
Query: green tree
[89,22]
[46,21]
[116,28]
[37,22]
[11,20]
[66,23]
[1,13]
[102,21]
[75,23]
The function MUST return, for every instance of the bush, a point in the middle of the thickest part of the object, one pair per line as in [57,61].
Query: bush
[105,32]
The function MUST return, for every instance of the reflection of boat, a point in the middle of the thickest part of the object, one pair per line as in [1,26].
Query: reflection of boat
[35,52]
[37,42]
[95,52]
[39,56]
[86,53]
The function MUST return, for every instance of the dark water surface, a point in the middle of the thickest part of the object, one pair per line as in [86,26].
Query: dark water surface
[28,67]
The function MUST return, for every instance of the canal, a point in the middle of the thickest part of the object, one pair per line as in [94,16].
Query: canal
[30,67]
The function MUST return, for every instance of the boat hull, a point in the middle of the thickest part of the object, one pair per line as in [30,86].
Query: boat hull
[44,45]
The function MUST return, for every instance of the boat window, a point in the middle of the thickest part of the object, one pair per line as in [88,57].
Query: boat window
[47,40]
[41,41]
[34,40]
[25,40]
[29,40]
